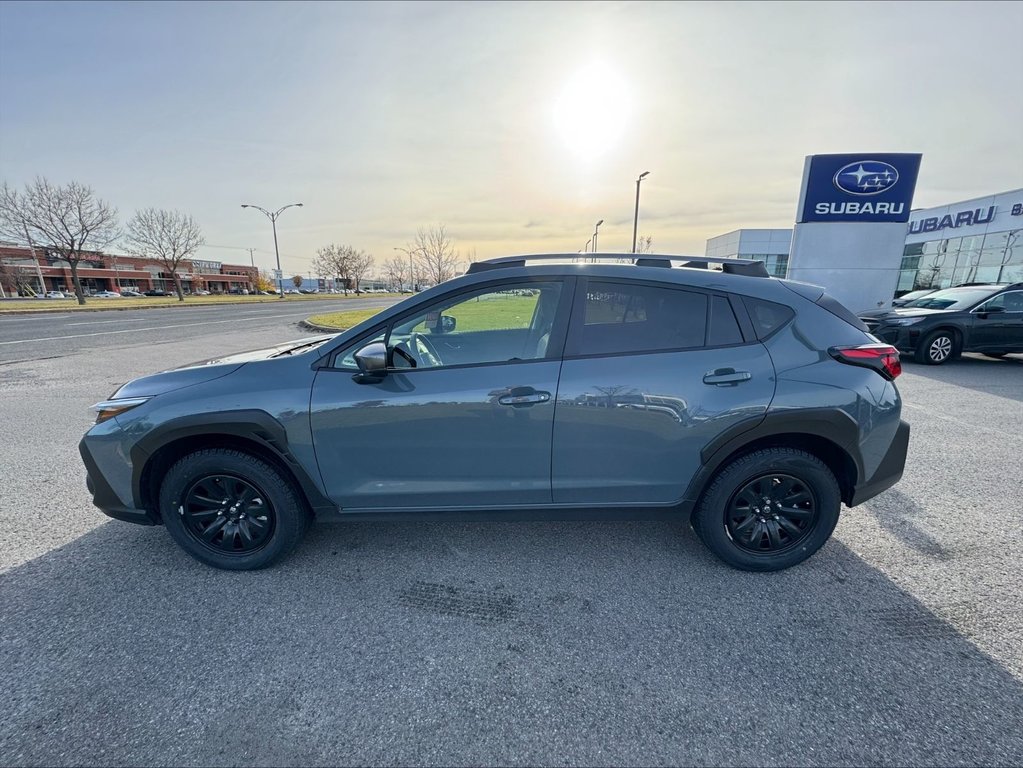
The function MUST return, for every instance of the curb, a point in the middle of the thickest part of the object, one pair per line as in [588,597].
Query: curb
[319,328]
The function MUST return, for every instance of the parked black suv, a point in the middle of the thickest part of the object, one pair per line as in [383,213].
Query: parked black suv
[938,327]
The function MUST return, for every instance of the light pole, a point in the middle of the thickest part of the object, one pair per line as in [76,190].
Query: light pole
[586,248]
[635,219]
[411,268]
[595,228]
[273,221]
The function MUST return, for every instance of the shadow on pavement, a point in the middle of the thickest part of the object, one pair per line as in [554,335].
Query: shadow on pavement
[510,643]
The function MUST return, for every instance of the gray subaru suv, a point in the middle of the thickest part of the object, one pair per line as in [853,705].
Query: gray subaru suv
[533,386]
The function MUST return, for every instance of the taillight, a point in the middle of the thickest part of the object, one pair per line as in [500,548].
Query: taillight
[883,358]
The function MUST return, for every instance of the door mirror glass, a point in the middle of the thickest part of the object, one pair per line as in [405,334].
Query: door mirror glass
[372,358]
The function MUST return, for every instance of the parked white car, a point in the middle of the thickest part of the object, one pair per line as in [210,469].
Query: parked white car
[55,295]
[106,295]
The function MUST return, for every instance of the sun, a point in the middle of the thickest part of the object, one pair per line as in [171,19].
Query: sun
[592,110]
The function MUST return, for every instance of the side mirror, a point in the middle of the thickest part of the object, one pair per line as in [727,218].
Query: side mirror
[372,362]
[985,311]
[447,324]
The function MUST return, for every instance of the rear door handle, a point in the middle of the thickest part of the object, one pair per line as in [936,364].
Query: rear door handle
[532,398]
[726,377]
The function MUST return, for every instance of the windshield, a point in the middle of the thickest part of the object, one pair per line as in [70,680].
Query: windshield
[951,298]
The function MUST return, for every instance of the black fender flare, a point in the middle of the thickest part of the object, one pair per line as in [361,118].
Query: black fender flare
[254,426]
[831,424]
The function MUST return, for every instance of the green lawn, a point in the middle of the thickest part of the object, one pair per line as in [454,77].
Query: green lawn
[67,305]
[474,315]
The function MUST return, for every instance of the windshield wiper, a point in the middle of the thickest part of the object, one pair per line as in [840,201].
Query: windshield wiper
[307,345]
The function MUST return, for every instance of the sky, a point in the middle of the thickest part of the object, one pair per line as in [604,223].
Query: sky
[517,125]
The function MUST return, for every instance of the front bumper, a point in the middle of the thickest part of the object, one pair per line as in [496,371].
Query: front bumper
[889,471]
[104,497]
[904,338]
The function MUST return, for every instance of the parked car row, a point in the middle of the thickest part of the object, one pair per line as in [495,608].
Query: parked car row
[942,324]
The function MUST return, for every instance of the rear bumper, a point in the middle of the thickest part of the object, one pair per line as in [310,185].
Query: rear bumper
[889,471]
[104,497]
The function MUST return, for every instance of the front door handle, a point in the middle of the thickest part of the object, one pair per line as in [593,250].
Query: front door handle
[519,399]
[726,377]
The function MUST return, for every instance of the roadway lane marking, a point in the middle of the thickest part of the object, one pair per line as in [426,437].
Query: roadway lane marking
[141,330]
[120,320]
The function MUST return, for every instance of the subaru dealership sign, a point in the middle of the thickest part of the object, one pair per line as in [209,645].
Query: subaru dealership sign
[868,187]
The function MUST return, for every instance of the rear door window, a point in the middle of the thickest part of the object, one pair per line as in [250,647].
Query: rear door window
[621,318]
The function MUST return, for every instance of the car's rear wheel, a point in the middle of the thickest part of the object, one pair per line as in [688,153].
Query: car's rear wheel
[936,348]
[231,510]
[769,509]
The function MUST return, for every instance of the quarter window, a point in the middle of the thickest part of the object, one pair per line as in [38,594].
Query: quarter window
[622,317]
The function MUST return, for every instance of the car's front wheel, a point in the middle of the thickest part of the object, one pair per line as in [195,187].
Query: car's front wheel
[936,348]
[231,510]
[769,509]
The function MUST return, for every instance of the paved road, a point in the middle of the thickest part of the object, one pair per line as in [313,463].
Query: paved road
[509,643]
[28,337]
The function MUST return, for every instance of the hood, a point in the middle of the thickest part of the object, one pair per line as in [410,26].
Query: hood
[208,370]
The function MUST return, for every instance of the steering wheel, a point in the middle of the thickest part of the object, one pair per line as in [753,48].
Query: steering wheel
[424,348]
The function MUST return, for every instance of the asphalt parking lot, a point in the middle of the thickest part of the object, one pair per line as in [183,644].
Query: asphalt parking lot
[901,642]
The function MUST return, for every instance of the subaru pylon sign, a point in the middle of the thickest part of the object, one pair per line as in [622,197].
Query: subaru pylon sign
[874,187]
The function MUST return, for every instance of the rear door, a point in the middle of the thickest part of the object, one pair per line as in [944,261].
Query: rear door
[651,375]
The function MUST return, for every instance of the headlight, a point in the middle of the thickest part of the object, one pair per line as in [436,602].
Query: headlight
[905,320]
[110,408]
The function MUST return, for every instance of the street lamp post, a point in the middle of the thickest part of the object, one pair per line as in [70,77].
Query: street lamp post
[586,248]
[273,222]
[635,219]
[411,268]
[595,228]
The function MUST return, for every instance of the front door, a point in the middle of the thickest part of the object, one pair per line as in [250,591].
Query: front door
[650,376]
[463,417]
[1002,329]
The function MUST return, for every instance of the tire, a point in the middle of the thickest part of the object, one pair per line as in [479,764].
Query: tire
[936,348]
[742,537]
[261,522]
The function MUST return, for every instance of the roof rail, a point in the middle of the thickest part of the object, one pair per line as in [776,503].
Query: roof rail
[748,267]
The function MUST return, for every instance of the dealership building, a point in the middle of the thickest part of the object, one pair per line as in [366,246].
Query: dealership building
[977,240]
[43,269]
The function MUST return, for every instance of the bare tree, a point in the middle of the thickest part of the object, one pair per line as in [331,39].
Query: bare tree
[645,244]
[343,262]
[66,219]
[396,269]
[166,236]
[333,261]
[8,278]
[436,258]
[297,281]
[358,266]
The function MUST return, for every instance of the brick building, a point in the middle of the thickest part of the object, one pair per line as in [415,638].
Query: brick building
[109,272]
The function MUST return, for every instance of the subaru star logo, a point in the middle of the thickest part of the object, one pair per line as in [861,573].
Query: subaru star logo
[866,177]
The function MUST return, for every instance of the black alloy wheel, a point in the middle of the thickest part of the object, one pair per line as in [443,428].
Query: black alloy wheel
[771,514]
[232,510]
[228,514]
[769,509]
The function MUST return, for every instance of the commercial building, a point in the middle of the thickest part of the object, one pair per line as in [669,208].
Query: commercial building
[977,240]
[973,241]
[769,245]
[43,269]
